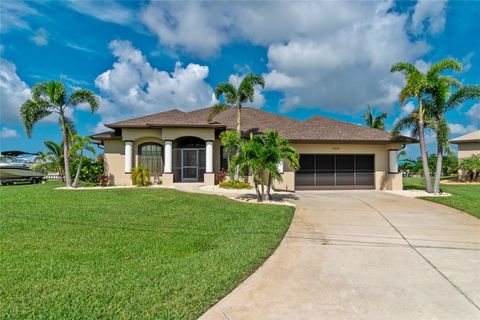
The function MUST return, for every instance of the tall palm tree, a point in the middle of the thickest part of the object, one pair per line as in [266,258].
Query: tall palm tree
[375,122]
[442,101]
[80,144]
[417,87]
[236,97]
[278,149]
[51,97]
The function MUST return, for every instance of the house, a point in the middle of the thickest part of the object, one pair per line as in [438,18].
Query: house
[182,146]
[468,144]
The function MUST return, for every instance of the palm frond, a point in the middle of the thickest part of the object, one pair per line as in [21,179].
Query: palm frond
[69,127]
[216,109]
[368,116]
[404,68]
[246,89]
[461,95]
[228,91]
[442,66]
[33,111]
[407,122]
[84,96]
[55,148]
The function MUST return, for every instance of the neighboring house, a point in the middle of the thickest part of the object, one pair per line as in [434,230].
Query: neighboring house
[183,146]
[468,144]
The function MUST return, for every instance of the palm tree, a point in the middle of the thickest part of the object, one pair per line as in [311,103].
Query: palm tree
[55,155]
[375,122]
[51,97]
[80,144]
[250,158]
[417,86]
[235,97]
[442,101]
[230,140]
[278,149]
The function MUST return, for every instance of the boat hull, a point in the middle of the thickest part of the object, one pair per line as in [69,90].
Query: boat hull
[18,173]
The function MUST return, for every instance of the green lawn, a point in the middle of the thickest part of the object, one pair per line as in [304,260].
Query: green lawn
[464,197]
[127,253]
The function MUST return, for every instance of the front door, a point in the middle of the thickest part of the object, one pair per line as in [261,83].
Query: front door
[189,164]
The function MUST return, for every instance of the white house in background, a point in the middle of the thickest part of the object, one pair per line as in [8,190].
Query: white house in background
[468,144]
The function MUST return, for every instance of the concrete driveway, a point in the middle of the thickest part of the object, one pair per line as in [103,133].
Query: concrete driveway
[365,255]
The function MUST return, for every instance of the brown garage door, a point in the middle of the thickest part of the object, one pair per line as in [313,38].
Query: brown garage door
[334,171]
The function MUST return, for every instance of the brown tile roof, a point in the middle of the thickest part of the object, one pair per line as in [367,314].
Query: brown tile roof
[314,129]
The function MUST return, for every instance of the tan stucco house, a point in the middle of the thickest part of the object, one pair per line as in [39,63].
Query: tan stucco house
[182,146]
[468,144]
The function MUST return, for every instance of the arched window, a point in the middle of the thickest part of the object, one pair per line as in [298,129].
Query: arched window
[150,156]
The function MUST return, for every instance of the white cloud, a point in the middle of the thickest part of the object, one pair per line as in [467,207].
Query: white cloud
[13,13]
[7,133]
[40,37]
[13,92]
[320,54]
[429,16]
[132,87]
[105,10]
[467,61]
[474,112]
[458,128]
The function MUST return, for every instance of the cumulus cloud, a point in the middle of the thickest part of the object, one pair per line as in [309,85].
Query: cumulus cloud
[474,112]
[106,10]
[429,16]
[320,54]
[458,128]
[13,92]
[40,37]
[132,87]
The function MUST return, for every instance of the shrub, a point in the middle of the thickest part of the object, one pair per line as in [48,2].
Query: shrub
[471,168]
[235,184]
[141,176]
[221,175]
[91,171]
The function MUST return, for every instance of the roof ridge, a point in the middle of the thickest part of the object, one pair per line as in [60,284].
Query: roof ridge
[146,116]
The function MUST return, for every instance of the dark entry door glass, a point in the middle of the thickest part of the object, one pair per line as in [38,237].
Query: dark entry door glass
[305,175]
[365,170]
[325,170]
[345,167]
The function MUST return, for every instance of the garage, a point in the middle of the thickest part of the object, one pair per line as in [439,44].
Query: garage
[335,171]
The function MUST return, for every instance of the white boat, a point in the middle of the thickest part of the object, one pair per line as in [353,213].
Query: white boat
[14,168]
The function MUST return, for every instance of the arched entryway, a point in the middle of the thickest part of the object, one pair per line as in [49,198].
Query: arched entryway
[189,159]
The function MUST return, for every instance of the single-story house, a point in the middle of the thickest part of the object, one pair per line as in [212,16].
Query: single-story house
[180,146]
[468,144]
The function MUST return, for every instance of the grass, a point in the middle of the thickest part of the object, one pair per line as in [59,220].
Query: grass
[127,253]
[464,197]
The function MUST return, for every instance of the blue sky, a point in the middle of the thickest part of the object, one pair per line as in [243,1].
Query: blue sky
[328,58]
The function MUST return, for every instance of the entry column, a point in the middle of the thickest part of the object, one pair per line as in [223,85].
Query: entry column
[128,156]
[167,177]
[209,176]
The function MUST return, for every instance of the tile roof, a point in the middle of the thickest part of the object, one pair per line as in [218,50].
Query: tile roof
[314,129]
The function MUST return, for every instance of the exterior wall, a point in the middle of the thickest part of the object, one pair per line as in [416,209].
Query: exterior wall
[383,179]
[468,149]
[114,155]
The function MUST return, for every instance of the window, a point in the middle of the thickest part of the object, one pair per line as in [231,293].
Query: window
[150,156]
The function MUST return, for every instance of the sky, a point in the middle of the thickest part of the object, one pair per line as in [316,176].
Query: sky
[328,58]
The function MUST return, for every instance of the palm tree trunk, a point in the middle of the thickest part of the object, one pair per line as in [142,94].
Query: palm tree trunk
[438,171]
[423,150]
[66,151]
[239,131]
[269,186]
[259,196]
[79,167]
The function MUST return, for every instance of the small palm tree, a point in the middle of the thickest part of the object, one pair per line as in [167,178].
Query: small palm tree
[374,121]
[442,101]
[277,149]
[55,156]
[417,86]
[230,140]
[51,97]
[80,144]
